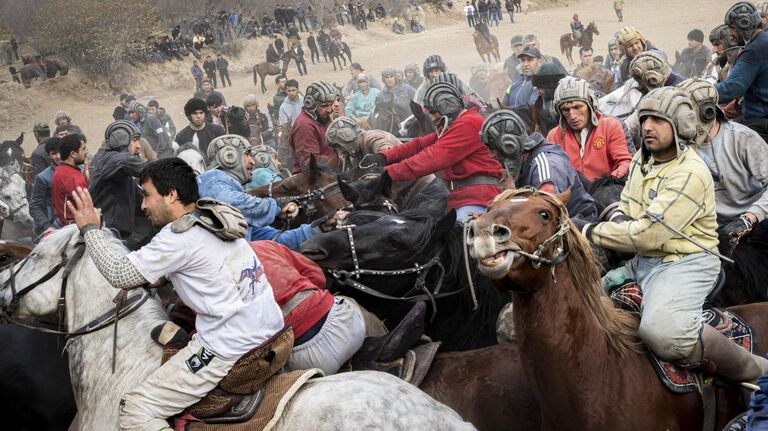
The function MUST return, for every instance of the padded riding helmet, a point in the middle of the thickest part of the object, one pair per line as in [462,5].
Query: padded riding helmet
[262,155]
[137,107]
[628,35]
[446,99]
[226,153]
[434,61]
[412,67]
[673,106]
[452,79]
[119,134]
[762,9]
[571,88]
[318,92]
[649,70]
[721,35]
[504,132]
[744,18]
[344,132]
[705,97]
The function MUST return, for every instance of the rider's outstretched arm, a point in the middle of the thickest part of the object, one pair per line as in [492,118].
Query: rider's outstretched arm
[111,260]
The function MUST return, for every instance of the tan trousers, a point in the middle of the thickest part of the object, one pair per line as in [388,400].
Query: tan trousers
[182,381]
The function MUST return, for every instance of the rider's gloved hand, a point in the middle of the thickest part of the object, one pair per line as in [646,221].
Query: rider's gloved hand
[328,222]
[737,228]
[371,160]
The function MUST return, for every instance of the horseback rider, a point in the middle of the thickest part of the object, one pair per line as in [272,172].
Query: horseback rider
[274,57]
[631,42]
[737,158]
[749,76]
[470,98]
[433,66]
[454,148]
[112,171]
[396,93]
[352,143]
[412,76]
[308,131]
[204,263]
[529,160]
[520,94]
[595,144]
[351,87]
[545,81]
[650,70]
[724,53]
[667,216]
[230,168]
[576,29]
[363,101]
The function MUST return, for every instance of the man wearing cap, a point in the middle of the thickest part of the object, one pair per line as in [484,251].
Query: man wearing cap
[454,148]
[308,132]
[670,190]
[749,76]
[532,40]
[412,76]
[208,90]
[395,93]
[292,105]
[231,167]
[520,94]
[199,132]
[39,157]
[260,123]
[151,129]
[694,59]
[512,63]
[737,158]
[363,101]
[530,160]
[40,203]
[596,145]
[113,170]
[351,87]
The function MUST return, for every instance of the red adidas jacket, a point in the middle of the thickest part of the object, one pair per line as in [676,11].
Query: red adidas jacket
[459,153]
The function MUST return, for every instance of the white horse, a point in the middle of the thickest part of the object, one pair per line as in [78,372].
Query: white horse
[621,102]
[17,223]
[192,155]
[347,401]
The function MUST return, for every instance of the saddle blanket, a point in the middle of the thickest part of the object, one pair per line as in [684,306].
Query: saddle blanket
[278,391]
[679,379]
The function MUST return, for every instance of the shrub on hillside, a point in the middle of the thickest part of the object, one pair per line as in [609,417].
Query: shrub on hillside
[94,36]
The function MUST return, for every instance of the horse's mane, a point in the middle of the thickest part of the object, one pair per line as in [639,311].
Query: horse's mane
[601,182]
[619,326]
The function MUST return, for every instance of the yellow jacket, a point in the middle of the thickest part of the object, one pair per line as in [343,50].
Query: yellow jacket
[681,192]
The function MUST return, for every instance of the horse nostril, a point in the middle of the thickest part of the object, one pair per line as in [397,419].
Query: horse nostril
[501,233]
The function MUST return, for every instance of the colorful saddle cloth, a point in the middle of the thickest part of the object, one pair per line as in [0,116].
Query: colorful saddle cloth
[678,379]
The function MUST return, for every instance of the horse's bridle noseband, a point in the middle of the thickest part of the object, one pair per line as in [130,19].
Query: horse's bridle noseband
[349,278]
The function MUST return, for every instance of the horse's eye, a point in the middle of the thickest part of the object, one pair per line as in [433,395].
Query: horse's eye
[544,214]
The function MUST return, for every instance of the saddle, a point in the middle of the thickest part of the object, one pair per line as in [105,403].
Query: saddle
[240,393]
[405,352]
[676,378]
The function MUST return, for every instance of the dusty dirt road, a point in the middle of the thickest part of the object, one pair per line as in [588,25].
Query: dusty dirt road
[666,23]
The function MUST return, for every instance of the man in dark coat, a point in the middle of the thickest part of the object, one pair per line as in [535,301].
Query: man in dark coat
[113,169]
[210,69]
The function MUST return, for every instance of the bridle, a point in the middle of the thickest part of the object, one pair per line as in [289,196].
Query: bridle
[350,278]
[308,201]
[123,305]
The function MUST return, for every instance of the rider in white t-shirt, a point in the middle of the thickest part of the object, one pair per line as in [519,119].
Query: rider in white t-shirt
[216,273]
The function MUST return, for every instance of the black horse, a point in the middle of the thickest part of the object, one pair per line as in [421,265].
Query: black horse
[337,52]
[418,124]
[367,189]
[387,117]
[400,242]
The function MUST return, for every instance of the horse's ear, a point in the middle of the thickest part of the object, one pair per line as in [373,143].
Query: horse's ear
[349,193]
[313,168]
[501,105]
[564,196]
[416,110]
[446,223]
[20,139]
[385,185]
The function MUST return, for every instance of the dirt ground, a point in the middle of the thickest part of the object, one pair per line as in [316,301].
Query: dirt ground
[664,22]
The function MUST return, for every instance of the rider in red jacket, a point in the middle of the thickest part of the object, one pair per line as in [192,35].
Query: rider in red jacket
[455,149]
[308,131]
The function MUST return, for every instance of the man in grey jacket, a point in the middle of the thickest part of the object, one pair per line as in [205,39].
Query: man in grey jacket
[154,108]
[737,157]
[151,129]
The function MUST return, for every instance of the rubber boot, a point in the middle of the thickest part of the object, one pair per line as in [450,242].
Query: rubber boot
[716,353]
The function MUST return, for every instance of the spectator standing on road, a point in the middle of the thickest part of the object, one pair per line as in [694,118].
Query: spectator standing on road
[223,67]
[210,70]
[469,11]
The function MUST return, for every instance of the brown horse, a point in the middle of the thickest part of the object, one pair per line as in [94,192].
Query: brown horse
[496,86]
[315,189]
[12,251]
[599,78]
[264,69]
[485,49]
[567,43]
[581,355]
[55,66]
[31,71]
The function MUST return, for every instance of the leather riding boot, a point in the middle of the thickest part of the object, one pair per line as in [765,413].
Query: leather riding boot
[718,354]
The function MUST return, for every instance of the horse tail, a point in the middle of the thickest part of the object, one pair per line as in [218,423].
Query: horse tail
[563,46]
[255,77]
